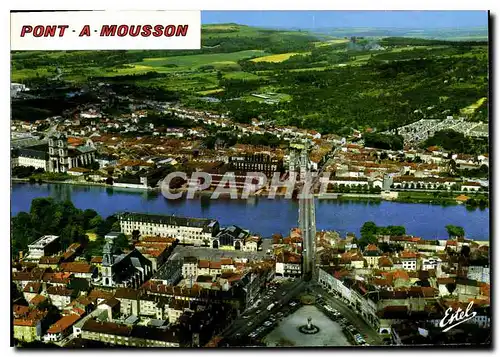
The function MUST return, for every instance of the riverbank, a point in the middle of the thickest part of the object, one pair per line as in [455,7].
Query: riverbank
[439,198]
[84,183]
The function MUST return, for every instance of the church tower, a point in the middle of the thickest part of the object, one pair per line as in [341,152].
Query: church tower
[108,260]
[58,153]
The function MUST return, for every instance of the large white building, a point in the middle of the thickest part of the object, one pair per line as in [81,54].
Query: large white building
[35,156]
[197,231]
[47,245]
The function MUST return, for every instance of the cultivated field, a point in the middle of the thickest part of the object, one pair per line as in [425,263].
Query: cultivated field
[278,58]
[194,61]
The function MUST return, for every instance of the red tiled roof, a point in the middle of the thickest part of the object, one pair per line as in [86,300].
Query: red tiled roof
[50,260]
[59,290]
[64,323]
[408,255]
[443,281]
[400,274]
[77,267]
[371,247]
[99,294]
[20,310]
[32,287]
[37,300]
[96,260]
[385,262]
[215,265]
[203,264]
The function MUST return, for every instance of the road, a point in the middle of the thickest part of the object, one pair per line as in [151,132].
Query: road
[243,326]
[371,336]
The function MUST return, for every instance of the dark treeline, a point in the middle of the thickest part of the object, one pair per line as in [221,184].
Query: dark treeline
[453,141]
[228,139]
[403,41]
[381,141]
[41,108]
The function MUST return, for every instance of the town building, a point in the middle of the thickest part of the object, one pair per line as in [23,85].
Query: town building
[196,231]
[258,162]
[409,260]
[189,267]
[372,255]
[60,296]
[36,156]
[28,328]
[129,301]
[61,329]
[170,272]
[288,264]
[130,336]
[44,246]
[231,238]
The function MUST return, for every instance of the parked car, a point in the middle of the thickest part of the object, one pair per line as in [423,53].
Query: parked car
[268,323]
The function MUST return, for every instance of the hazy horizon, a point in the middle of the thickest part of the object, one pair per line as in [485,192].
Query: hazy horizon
[426,20]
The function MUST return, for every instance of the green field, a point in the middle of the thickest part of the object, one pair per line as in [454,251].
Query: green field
[195,61]
[330,87]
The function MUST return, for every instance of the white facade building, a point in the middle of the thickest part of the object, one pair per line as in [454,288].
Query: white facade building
[187,230]
[46,245]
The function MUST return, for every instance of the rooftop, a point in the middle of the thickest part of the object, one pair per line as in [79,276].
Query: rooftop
[43,241]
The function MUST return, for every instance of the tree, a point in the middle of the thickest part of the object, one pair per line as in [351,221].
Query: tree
[116,227]
[455,231]
[397,230]
[451,287]
[368,228]
[368,234]
[94,166]
[122,241]
[136,234]
[465,251]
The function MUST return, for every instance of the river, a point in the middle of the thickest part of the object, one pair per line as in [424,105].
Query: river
[265,216]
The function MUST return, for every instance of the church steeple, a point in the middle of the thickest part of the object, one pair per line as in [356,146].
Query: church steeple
[108,249]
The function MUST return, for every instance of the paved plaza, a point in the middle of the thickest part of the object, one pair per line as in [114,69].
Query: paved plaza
[287,333]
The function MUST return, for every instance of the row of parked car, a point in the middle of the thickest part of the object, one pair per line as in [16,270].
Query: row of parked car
[353,334]
[347,327]
[274,318]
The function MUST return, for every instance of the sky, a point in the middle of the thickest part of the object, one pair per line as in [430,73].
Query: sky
[318,19]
